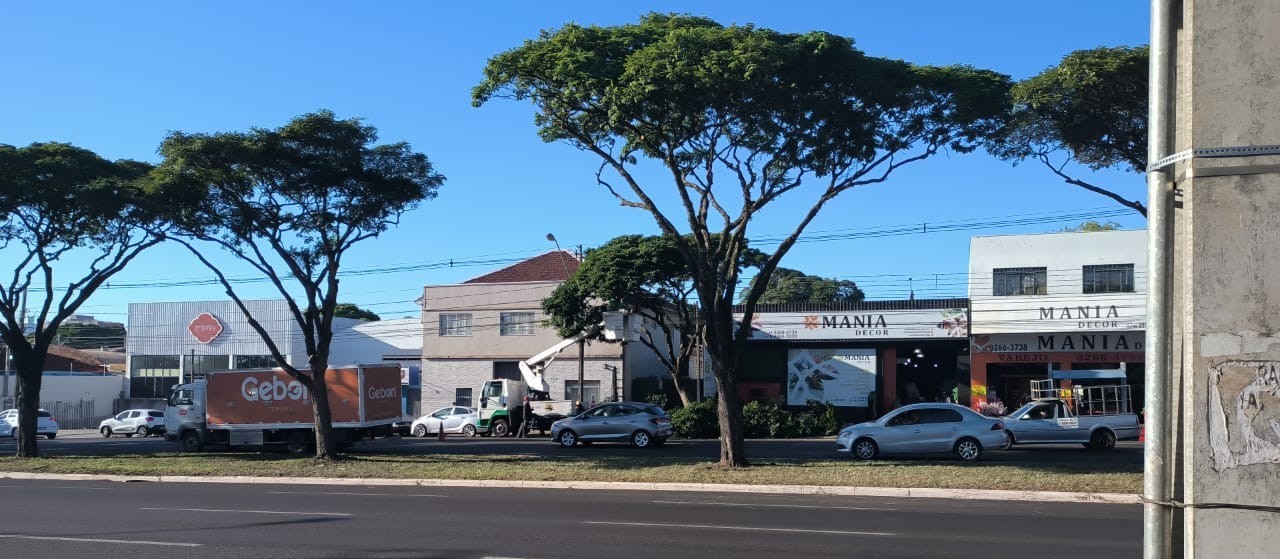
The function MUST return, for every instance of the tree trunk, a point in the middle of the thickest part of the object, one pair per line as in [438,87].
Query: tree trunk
[729,412]
[680,391]
[28,392]
[326,449]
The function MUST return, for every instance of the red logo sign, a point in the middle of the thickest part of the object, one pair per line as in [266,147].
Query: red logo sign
[204,328]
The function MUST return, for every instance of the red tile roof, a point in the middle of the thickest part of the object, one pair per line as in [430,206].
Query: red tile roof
[556,265]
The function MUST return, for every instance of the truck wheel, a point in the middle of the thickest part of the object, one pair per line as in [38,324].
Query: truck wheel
[1102,439]
[191,442]
[501,428]
[298,443]
[419,430]
[468,430]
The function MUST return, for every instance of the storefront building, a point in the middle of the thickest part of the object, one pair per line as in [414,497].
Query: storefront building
[864,358]
[1065,306]
[174,342]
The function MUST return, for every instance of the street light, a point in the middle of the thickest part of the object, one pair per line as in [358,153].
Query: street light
[582,344]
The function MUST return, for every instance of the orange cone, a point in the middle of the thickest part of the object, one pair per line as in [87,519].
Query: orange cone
[1142,431]
[440,433]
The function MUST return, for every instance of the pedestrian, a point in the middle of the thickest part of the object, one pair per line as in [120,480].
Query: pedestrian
[526,418]
[577,407]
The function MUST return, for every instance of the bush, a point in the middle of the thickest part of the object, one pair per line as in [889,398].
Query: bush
[993,409]
[696,421]
[658,399]
[819,420]
[767,421]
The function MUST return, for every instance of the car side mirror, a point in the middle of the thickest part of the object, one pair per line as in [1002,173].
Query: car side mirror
[484,404]
[1026,416]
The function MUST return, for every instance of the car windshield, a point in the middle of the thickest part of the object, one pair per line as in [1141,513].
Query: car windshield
[156,414]
[1023,410]
[43,413]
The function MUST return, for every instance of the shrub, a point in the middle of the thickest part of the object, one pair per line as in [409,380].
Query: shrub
[993,409]
[767,421]
[698,420]
[658,399]
[819,420]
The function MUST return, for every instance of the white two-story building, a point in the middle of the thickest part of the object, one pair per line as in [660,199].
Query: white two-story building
[1068,306]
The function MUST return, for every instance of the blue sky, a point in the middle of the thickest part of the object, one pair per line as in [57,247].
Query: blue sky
[116,77]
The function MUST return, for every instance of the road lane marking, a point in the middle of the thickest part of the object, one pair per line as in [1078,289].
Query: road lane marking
[57,487]
[740,528]
[251,511]
[713,504]
[351,493]
[98,540]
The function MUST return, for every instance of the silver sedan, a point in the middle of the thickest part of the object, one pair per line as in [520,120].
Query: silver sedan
[925,429]
[642,425]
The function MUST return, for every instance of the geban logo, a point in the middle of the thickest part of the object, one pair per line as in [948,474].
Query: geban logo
[204,328]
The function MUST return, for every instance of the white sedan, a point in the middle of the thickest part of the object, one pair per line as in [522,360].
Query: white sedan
[46,424]
[454,419]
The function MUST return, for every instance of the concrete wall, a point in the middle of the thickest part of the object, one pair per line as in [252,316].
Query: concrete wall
[61,391]
[398,340]
[1065,307]
[1227,277]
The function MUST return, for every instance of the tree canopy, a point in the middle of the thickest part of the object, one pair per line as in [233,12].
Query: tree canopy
[1092,226]
[736,117]
[291,202]
[350,310]
[57,200]
[793,286]
[1091,109]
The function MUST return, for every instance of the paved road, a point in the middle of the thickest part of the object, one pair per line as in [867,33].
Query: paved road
[1125,455]
[74,520]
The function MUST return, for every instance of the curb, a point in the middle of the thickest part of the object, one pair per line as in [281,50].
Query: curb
[925,493]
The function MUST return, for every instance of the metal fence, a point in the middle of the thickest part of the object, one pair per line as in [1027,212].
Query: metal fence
[73,415]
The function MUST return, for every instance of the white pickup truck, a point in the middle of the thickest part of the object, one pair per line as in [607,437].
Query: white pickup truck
[1051,421]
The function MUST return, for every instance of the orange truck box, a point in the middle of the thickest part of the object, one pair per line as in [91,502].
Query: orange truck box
[358,396]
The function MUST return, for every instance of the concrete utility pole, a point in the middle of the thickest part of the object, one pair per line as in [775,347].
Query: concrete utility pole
[1216,460]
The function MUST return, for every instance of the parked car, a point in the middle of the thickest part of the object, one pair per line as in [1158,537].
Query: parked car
[1051,421]
[46,424]
[143,423]
[642,425]
[925,429]
[455,419]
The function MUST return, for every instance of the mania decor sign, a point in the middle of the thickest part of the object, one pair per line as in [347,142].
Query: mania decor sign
[846,325]
[205,328]
[840,377]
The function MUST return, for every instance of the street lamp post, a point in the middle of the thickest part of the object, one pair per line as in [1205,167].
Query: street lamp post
[582,344]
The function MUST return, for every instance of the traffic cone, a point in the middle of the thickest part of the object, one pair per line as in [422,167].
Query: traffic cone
[440,433]
[1142,431]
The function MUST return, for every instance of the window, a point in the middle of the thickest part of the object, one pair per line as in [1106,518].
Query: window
[938,415]
[589,396]
[151,376]
[462,397]
[155,413]
[517,324]
[1108,278]
[455,324]
[181,398]
[1018,281]
[909,417]
[254,362]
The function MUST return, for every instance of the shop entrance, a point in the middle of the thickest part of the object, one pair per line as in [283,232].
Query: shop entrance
[1011,382]
[930,372]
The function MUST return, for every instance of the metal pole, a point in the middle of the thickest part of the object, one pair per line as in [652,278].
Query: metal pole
[1156,518]
[582,364]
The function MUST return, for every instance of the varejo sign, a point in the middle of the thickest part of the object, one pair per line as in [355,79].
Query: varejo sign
[204,328]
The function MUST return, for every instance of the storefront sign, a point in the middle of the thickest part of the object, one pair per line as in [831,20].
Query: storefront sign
[1092,347]
[1105,312]
[850,325]
[204,328]
[840,377]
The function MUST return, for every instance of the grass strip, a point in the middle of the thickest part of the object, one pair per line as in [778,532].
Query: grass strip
[1090,478]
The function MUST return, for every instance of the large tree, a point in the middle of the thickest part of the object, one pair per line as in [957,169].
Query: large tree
[350,310]
[291,202]
[734,118]
[59,202]
[1090,109]
[793,286]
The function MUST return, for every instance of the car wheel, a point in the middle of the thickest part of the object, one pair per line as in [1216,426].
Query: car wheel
[641,439]
[191,442]
[1102,439]
[568,438]
[968,449]
[468,430]
[106,432]
[144,432]
[419,430]
[51,436]
[864,449]
[298,443]
[501,428]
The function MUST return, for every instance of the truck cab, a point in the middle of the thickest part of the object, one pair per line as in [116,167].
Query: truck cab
[184,415]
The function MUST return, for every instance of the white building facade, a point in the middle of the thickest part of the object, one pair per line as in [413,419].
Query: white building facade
[1045,305]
